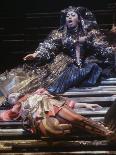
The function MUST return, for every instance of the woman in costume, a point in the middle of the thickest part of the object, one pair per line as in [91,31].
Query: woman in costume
[85,52]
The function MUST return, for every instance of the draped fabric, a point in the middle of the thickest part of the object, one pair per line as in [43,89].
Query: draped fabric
[74,76]
[28,78]
[35,107]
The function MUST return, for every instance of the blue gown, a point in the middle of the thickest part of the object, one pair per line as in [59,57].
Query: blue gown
[74,74]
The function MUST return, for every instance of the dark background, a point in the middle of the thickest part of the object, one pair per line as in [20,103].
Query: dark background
[24,23]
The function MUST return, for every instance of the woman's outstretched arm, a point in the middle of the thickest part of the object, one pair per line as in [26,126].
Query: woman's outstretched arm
[48,49]
[87,106]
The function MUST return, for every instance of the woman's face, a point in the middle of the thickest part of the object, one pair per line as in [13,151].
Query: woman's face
[72,19]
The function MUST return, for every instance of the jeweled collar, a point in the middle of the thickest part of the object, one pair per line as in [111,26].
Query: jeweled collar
[73,31]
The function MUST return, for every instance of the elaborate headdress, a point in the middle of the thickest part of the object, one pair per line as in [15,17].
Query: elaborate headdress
[87,18]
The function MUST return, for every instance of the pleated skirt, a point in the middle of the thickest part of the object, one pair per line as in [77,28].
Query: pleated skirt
[73,76]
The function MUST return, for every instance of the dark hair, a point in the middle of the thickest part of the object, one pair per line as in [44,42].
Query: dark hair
[86,18]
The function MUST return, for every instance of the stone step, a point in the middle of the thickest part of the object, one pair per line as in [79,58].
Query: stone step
[85,89]
[56,146]
[91,152]
[108,82]
[103,100]
[110,79]
[90,93]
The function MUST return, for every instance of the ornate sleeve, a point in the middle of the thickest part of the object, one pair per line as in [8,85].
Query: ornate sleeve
[100,47]
[49,48]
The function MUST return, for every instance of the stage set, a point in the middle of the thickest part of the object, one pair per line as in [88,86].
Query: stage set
[58,77]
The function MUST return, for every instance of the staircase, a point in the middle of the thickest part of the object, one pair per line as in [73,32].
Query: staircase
[13,138]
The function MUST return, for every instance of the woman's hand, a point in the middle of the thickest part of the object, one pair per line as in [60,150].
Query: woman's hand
[93,106]
[88,106]
[30,56]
